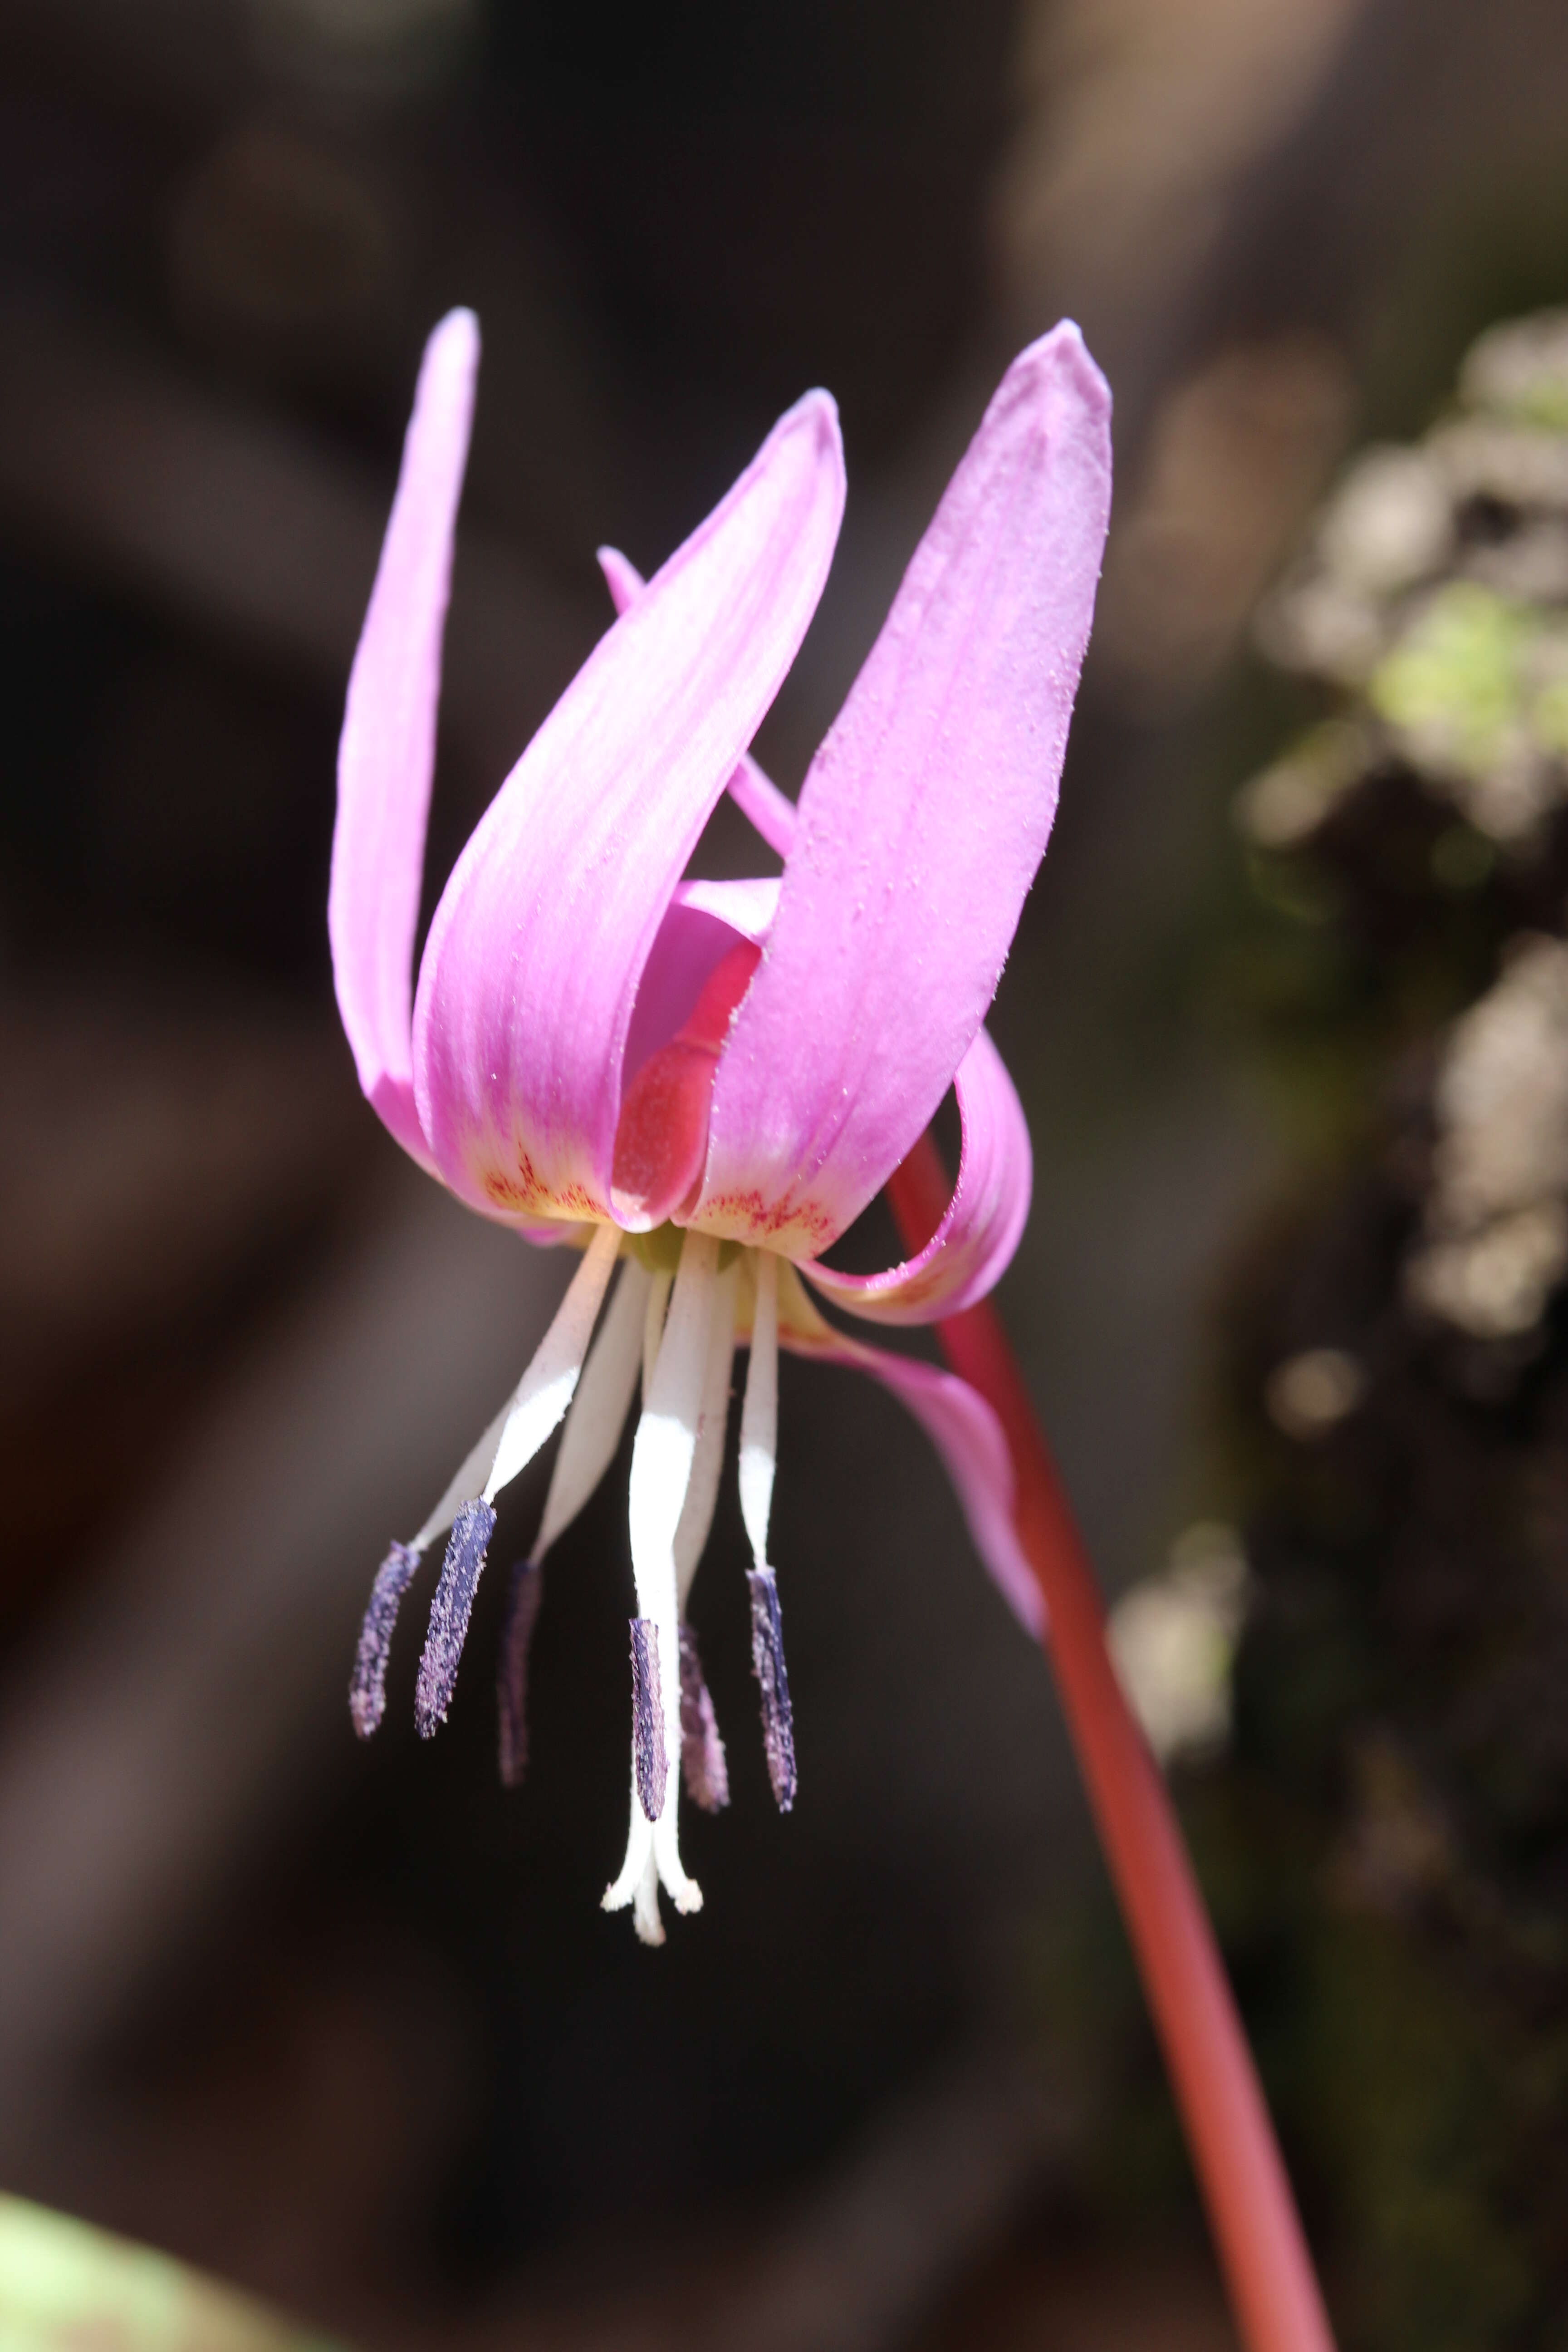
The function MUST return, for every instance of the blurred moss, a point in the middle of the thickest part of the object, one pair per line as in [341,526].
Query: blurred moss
[1405,2072]
[1456,680]
[1385,1847]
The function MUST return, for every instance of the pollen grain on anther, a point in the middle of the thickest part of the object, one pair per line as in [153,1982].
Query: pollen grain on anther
[772,1680]
[703,1765]
[449,1614]
[650,1763]
[367,1685]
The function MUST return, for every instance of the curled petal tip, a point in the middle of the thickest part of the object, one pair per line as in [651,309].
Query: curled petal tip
[450,366]
[621,578]
[1062,374]
[1061,362]
[816,413]
[819,402]
[456,336]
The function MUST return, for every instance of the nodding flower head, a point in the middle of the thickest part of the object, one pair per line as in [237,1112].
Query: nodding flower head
[705,1082]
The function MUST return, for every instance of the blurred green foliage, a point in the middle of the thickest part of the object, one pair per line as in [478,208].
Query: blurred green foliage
[65,2288]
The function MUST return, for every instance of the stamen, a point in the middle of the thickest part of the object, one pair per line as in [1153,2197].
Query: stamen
[466,1483]
[661,1473]
[653,1326]
[708,1456]
[703,1766]
[547,1387]
[588,1444]
[599,1409]
[759,1414]
[768,1666]
[450,1613]
[650,1757]
[367,1687]
[759,1458]
[522,1600]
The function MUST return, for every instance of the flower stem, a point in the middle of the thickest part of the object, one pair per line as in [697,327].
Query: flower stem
[1273,2288]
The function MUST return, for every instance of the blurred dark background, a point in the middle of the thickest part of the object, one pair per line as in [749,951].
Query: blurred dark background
[347,2025]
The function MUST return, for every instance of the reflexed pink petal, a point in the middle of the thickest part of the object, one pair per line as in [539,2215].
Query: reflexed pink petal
[756,796]
[960,1424]
[388,748]
[977,1237]
[920,824]
[527,988]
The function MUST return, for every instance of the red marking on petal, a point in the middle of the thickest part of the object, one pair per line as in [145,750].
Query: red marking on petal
[711,1016]
[661,1139]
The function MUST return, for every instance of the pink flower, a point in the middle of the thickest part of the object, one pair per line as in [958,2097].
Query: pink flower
[708,1082]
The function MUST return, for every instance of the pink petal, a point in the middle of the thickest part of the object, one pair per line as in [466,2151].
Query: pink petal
[702,922]
[974,1243]
[756,796]
[978,1232]
[387,752]
[921,822]
[960,1424]
[672,1051]
[661,1136]
[526,991]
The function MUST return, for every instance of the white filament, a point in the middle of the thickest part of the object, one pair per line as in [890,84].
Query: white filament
[462,1489]
[690,1537]
[582,1296]
[548,1386]
[653,1326]
[759,1414]
[662,1461]
[707,1460]
[599,1409]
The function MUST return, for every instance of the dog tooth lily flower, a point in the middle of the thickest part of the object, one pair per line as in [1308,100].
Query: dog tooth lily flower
[706,1083]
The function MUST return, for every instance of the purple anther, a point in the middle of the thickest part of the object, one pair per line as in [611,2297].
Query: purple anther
[768,1666]
[702,1764]
[450,1613]
[367,1685]
[647,1718]
[523,1601]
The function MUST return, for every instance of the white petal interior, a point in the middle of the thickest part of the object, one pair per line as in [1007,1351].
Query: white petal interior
[760,1414]
[546,1389]
[600,1407]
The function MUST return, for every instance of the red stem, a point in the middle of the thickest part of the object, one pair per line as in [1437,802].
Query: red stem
[1273,2288]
